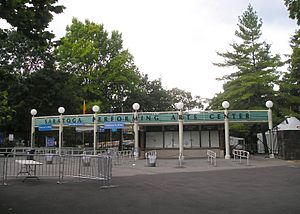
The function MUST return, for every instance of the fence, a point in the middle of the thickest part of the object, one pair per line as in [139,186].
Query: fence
[27,166]
[211,157]
[241,154]
[2,167]
[119,157]
[150,158]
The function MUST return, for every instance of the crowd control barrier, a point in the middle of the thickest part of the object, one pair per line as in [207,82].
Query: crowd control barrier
[2,167]
[36,166]
[241,154]
[150,158]
[211,157]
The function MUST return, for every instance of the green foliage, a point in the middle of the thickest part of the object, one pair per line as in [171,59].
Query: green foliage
[256,75]
[189,102]
[106,71]
[5,110]
[256,68]
[294,9]
[289,96]
[31,17]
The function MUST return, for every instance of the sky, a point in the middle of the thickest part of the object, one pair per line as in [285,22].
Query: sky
[177,40]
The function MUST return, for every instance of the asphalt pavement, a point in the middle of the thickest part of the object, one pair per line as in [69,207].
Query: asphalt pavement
[264,186]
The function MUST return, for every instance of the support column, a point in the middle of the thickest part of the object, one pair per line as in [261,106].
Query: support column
[226,105]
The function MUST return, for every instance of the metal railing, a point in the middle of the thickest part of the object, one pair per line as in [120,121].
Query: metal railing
[150,158]
[119,157]
[211,157]
[27,166]
[16,151]
[2,168]
[241,154]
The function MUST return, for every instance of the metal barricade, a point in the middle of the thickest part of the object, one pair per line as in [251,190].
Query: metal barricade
[211,157]
[151,158]
[97,167]
[241,154]
[54,166]
[2,169]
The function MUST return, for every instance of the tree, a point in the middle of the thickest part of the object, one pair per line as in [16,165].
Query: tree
[150,95]
[294,9]
[189,102]
[28,44]
[289,95]
[31,17]
[257,69]
[252,84]
[106,70]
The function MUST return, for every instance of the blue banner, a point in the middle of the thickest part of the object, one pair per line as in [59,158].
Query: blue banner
[44,128]
[113,125]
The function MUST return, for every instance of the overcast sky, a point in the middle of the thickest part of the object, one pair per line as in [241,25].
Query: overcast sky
[177,40]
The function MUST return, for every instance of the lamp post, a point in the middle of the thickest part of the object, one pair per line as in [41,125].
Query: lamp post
[61,110]
[179,106]
[269,105]
[95,110]
[33,112]
[225,105]
[136,107]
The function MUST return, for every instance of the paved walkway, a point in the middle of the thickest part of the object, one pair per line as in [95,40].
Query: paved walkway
[194,165]
[266,186]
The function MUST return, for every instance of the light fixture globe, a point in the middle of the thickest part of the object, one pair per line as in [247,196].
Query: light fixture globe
[95,108]
[179,105]
[225,104]
[61,110]
[136,106]
[269,104]
[33,112]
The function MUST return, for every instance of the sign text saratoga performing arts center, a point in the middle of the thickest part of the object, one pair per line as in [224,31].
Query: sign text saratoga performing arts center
[155,118]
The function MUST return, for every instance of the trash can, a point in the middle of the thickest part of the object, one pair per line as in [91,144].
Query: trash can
[86,160]
[49,158]
[151,160]
[30,154]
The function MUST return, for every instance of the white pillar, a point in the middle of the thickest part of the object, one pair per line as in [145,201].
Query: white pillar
[136,135]
[32,132]
[95,110]
[226,105]
[33,112]
[95,133]
[179,106]
[270,121]
[60,132]
[269,105]
[61,110]
[227,140]
[136,107]
[180,134]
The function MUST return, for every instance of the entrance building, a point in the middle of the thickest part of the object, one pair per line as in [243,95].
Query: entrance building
[172,133]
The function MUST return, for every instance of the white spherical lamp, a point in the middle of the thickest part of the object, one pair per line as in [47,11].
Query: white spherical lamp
[95,108]
[33,112]
[136,106]
[269,104]
[225,104]
[61,110]
[179,105]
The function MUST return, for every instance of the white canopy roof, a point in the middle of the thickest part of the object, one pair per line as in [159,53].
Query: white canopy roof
[290,123]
